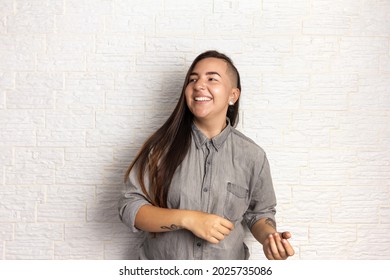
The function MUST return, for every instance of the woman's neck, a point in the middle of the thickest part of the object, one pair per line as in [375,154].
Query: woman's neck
[210,128]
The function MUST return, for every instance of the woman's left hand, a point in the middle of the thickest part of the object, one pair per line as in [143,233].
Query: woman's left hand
[277,246]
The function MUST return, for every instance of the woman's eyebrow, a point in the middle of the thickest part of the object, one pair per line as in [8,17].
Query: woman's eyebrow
[212,73]
[207,73]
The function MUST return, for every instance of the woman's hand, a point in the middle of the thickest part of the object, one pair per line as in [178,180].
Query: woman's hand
[277,246]
[209,227]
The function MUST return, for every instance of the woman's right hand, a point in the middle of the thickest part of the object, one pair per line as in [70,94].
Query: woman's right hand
[209,227]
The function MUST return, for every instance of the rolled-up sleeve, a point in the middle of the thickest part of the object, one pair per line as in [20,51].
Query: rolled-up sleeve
[263,199]
[131,201]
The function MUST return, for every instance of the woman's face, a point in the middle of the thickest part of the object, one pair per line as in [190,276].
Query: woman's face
[209,90]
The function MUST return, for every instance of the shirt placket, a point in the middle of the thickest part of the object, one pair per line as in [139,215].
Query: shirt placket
[205,196]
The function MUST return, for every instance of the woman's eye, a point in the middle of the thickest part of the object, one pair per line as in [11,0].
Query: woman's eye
[191,80]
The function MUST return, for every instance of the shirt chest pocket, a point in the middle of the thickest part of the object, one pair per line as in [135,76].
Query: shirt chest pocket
[236,202]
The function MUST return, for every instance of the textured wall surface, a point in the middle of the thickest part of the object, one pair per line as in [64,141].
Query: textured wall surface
[84,82]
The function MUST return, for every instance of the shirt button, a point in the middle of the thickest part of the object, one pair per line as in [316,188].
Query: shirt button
[208,162]
[205,189]
[198,244]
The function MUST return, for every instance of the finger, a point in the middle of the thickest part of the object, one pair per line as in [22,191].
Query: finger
[227,224]
[289,249]
[224,230]
[213,240]
[273,247]
[285,235]
[219,236]
[280,246]
[268,254]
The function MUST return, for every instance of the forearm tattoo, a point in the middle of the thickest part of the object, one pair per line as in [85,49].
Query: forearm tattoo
[271,223]
[171,227]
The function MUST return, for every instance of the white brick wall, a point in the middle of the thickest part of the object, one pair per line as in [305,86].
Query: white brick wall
[83,83]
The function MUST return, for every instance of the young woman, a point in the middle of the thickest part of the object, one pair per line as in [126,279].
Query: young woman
[197,181]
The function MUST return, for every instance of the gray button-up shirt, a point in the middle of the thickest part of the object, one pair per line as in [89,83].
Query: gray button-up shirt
[227,175]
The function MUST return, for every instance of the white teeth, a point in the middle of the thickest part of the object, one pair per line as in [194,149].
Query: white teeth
[202,99]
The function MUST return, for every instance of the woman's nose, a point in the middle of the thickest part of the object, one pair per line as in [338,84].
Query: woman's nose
[199,85]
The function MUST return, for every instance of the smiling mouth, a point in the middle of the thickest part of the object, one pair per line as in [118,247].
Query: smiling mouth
[202,98]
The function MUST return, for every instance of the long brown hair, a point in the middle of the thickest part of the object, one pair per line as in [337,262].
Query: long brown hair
[164,151]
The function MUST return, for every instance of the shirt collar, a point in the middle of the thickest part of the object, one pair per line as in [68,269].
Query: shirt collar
[217,141]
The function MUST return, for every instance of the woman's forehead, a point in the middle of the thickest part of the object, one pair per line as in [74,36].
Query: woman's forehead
[211,63]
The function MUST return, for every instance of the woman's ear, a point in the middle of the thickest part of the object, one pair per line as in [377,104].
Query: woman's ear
[235,94]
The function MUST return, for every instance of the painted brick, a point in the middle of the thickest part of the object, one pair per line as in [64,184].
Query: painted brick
[69,44]
[119,44]
[84,83]
[110,62]
[79,175]
[80,100]
[368,214]
[103,212]
[26,174]
[39,7]
[316,49]
[68,120]
[26,137]
[138,24]
[17,62]
[284,91]
[125,248]
[79,24]
[6,231]
[273,23]
[384,214]
[38,81]
[21,119]
[363,99]
[79,193]
[340,232]
[232,46]
[78,250]
[105,208]
[101,7]
[160,62]
[67,212]
[272,61]
[29,250]
[346,7]
[7,80]
[95,156]
[61,62]
[90,231]
[14,209]
[41,156]
[227,25]
[373,19]
[39,232]
[328,250]
[30,99]
[2,100]
[158,44]
[300,7]
[89,81]
[183,8]
[60,138]
[6,156]
[6,7]
[176,25]
[366,63]
[27,23]
[376,250]
[326,25]
[137,7]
